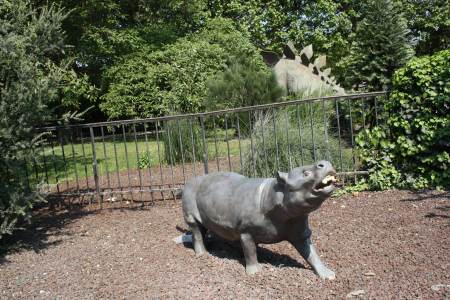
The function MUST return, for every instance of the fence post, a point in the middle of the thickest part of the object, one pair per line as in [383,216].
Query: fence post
[205,146]
[95,167]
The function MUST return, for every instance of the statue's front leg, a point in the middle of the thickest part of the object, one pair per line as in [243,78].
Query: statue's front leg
[251,259]
[306,249]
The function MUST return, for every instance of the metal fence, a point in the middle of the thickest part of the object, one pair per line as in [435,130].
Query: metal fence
[146,160]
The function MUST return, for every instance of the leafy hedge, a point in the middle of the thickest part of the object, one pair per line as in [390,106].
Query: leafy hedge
[173,80]
[411,150]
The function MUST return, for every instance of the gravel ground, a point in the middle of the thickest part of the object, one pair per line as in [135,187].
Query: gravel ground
[382,245]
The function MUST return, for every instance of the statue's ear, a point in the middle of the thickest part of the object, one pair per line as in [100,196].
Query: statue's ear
[282,177]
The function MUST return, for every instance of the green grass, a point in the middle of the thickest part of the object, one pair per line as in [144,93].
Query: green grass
[76,164]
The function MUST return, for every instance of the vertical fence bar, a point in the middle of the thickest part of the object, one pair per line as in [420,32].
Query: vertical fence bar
[266,163]
[193,161]
[312,130]
[95,167]
[168,133]
[277,160]
[351,135]
[54,165]
[300,133]
[325,130]
[45,167]
[119,184]
[339,134]
[251,143]
[287,137]
[149,163]
[84,159]
[376,110]
[228,143]
[74,162]
[61,141]
[205,146]
[363,111]
[36,172]
[215,143]
[106,158]
[137,160]
[159,158]
[180,140]
[128,163]
[239,141]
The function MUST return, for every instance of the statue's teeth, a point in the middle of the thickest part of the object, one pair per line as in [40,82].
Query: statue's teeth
[329,178]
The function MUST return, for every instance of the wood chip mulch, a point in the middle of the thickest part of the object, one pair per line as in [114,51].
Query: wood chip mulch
[382,245]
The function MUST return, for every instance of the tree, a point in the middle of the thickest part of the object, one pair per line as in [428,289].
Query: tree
[174,79]
[242,83]
[31,49]
[429,23]
[326,24]
[103,32]
[380,46]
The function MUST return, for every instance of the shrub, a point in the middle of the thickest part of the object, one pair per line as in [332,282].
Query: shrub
[182,141]
[30,40]
[288,146]
[411,150]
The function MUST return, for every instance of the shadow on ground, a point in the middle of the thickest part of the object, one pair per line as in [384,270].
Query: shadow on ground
[427,195]
[232,250]
[45,223]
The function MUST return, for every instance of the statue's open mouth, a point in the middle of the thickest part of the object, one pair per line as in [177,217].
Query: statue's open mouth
[326,184]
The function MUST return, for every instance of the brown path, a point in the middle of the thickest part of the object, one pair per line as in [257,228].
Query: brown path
[391,244]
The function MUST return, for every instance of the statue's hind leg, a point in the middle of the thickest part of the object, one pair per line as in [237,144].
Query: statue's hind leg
[198,234]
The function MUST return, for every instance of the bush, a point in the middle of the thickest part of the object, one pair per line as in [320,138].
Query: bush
[182,141]
[288,146]
[30,43]
[154,83]
[412,149]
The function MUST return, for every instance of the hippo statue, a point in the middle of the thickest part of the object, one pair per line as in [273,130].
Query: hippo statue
[259,210]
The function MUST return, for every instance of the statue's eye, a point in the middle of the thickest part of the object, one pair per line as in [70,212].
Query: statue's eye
[306,173]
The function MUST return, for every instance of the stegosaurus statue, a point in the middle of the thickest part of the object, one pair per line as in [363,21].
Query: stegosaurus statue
[299,72]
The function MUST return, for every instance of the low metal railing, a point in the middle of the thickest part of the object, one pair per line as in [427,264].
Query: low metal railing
[145,160]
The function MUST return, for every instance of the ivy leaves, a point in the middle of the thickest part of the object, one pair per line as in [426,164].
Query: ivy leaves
[411,150]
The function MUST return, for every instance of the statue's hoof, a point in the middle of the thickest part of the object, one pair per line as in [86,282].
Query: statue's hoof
[199,253]
[327,274]
[250,270]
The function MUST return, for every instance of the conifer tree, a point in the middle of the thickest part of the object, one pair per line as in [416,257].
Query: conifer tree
[381,45]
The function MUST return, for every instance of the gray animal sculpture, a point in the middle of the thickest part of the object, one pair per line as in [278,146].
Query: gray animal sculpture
[258,210]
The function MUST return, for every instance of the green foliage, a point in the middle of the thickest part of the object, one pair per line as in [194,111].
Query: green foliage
[31,41]
[243,83]
[326,24]
[429,23]
[412,149]
[182,141]
[291,144]
[380,46]
[174,79]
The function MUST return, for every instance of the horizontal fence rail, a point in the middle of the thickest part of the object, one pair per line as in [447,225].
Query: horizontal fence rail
[146,160]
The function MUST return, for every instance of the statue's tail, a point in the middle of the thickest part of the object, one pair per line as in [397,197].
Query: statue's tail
[184,238]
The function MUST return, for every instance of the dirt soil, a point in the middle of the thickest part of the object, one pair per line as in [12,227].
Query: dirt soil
[382,245]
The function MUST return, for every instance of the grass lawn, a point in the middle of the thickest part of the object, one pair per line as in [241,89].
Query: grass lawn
[70,161]
[52,165]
